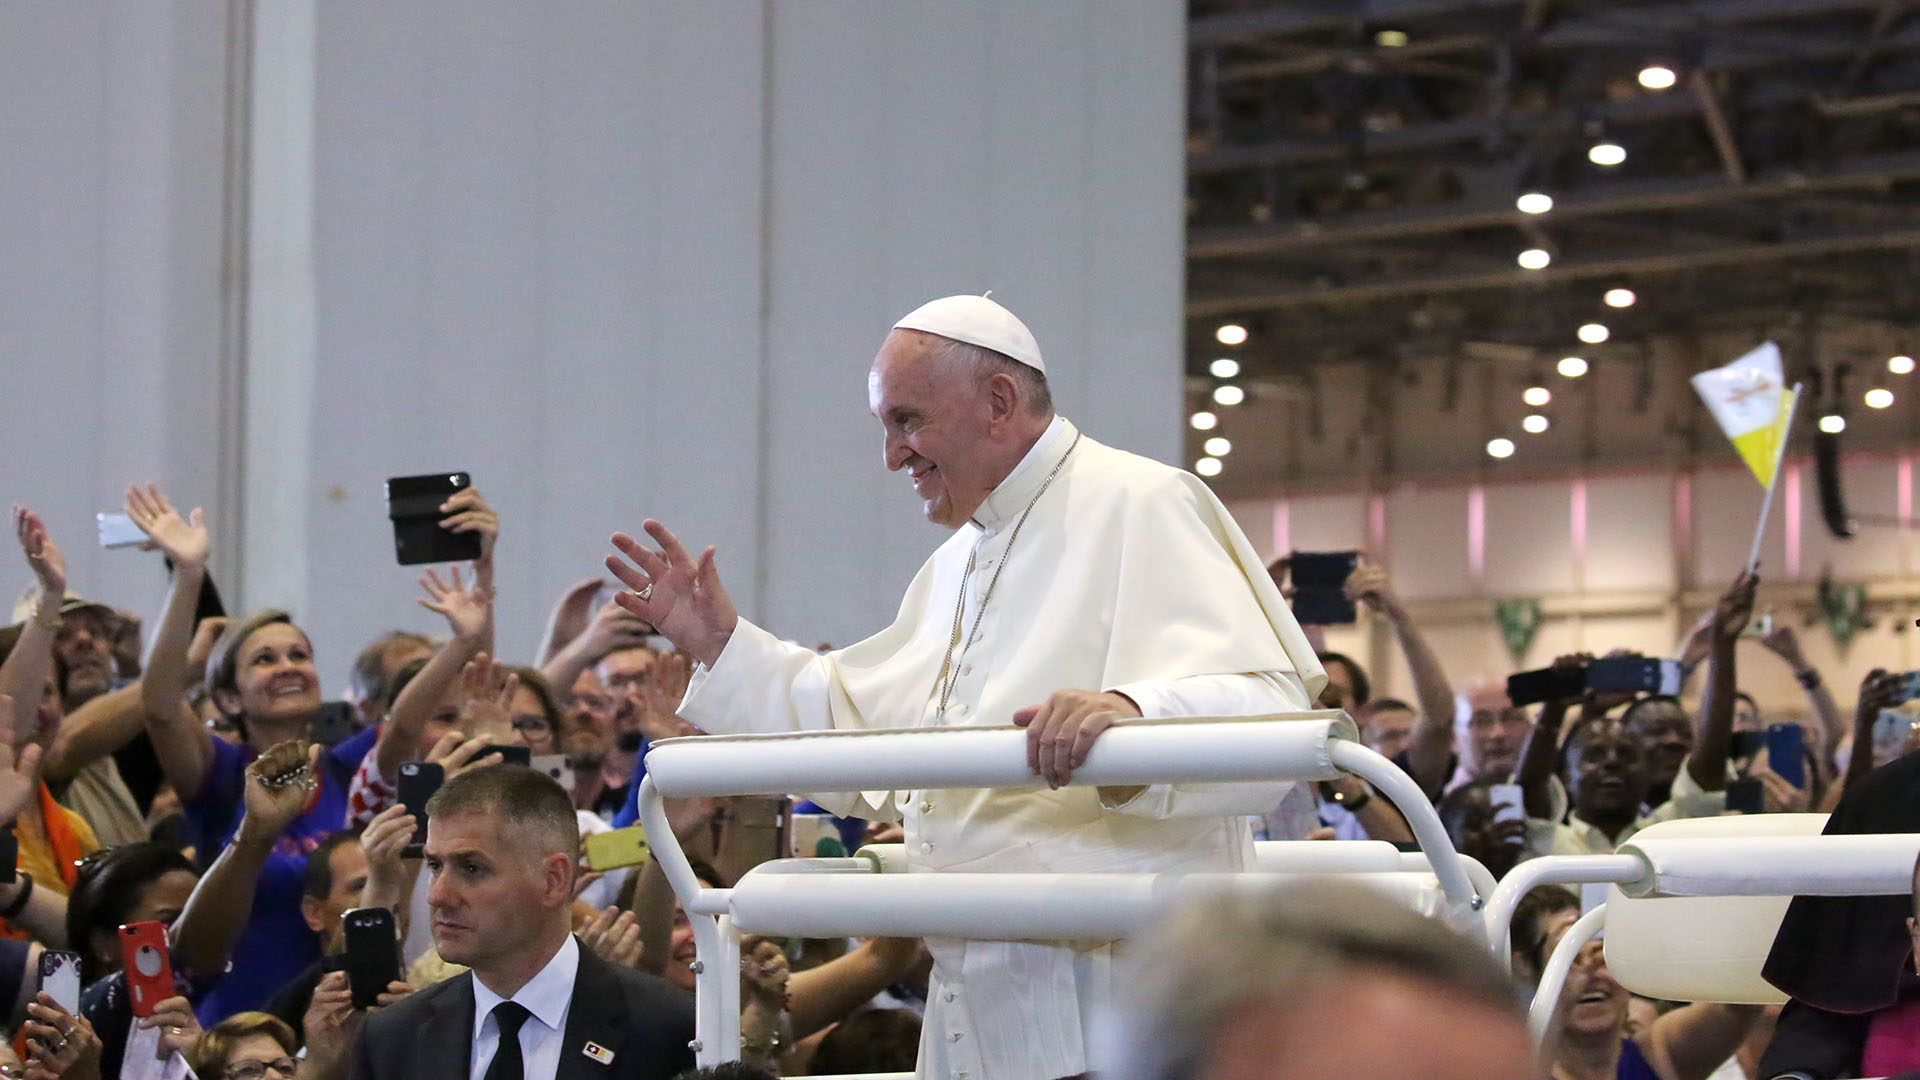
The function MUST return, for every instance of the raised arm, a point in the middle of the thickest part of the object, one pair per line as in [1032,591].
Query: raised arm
[278,784]
[822,995]
[568,619]
[45,913]
[1430,750]
[1878,690]
[1690,1042]
[469,614]
[1713,725]
[1785,644]
[1534,774]
[469,513]
[23,677]
[674,593]
[611,628]
[184,747]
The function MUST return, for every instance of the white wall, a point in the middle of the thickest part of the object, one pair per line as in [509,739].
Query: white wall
[110,242]
[632,259]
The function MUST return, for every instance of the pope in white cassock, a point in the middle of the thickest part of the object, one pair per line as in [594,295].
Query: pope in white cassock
[1083,586]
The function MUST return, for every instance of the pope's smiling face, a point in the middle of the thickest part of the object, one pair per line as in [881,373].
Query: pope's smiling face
[947,427]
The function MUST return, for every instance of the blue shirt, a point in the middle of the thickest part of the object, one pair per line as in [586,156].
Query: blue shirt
[276,944]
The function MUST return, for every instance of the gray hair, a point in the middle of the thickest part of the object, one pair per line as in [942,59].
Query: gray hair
[1214,953]
[988,363]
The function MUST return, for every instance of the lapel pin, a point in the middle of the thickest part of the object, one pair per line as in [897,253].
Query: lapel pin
[598,1053]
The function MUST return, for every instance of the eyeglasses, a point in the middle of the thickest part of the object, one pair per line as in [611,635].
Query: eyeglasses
[257,1070]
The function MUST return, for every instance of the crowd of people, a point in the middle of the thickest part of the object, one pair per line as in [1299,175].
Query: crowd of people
[223,858]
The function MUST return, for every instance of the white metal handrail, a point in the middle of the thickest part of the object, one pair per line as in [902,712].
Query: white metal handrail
[1302,746]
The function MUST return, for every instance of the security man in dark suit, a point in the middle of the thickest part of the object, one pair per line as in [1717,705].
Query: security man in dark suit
[502,847]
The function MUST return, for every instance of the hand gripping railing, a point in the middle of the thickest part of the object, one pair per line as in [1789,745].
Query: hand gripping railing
[1302,746]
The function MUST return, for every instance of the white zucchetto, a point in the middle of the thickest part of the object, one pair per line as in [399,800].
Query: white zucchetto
[976,320]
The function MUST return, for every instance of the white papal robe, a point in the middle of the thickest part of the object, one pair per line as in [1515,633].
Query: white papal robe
[1128,576]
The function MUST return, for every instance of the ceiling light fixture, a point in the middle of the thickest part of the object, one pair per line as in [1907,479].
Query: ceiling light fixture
[1572,367]
[1657,77]
[1499,448]
[1203,421]
[1900,365]
[1833,423]
[1534,259]
[1620,298]
[1534,202]
[1231,334]
[1228,395]
[1207,466]
[1594,333]
[1607,153]
[1391,39]
[1217,447]
[1536,396]
[1534,423]
[1878,398]
[1224,368]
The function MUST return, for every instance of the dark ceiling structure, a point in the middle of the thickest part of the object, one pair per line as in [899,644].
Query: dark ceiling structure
[1354,171]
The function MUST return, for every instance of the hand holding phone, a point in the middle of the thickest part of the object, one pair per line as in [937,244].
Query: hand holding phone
[418,781]
[615,848]
[413,505]
[149,965]
[60,979]
[1509,803]
[373,954]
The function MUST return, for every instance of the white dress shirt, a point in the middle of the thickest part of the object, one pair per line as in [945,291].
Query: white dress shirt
[548,996]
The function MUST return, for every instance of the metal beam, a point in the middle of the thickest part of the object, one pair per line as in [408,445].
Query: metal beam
[1281,20]
[1718,127]
[1731,255]
[1626,197]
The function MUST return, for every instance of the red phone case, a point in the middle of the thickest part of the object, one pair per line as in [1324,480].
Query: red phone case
[143,948]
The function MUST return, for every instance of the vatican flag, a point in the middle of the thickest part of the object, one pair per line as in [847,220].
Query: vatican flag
[1750,400]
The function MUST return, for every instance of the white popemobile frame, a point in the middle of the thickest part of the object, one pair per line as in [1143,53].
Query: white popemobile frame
[867,894]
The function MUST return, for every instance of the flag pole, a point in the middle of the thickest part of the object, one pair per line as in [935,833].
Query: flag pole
[1766,503]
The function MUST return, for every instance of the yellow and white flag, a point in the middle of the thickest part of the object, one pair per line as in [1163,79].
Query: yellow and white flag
[1750,400]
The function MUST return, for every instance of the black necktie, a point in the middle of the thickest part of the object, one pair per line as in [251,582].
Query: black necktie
[506,1064]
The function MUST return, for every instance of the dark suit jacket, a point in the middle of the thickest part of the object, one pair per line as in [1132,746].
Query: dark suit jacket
[646,1023]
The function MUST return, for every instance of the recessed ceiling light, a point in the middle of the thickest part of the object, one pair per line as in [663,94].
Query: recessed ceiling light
[1594,333]
[1607,153]
[1534,202]
[1203,421]
[1878,398]
[1656,77]
[1900,365]
[1207,466]
[1620,298]
[1228,395]
[1231,334]
[1572,366]
[1224,368]
[1499,448]
[1534,423]
[1534,259]
[1217,447]
[1391,39]
[1833,423]
[1536,396]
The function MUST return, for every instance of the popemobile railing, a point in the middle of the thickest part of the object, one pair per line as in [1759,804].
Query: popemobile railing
[1656,867]
[854,896]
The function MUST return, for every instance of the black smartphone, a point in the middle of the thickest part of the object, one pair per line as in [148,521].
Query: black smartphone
[373,954]
[1787,753]
[1633,674]
[332,724]
[418,781]
[1546,684]
[1320,586]
[509,755]
[1744,796]
[1745,744]
[413,505]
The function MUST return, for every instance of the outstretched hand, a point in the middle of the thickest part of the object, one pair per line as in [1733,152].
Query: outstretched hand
[19,773]
[468,611]
[487,687]
[183,540]
[676,594]
[43,555]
